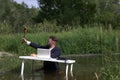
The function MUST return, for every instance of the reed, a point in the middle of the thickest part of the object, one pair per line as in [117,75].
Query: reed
[111,68]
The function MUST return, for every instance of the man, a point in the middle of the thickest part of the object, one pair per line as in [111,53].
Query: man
[55,52]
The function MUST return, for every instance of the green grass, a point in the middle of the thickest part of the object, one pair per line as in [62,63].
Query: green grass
[77,41]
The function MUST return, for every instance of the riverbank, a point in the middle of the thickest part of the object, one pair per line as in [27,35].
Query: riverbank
[5,54]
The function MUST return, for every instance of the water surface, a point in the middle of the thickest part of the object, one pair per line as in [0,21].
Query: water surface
[84,69]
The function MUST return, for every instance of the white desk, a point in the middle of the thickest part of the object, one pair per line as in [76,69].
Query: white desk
[67,62]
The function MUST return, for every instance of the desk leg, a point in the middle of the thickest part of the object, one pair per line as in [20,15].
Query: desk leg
[22,67]
[71,70]
[67,66]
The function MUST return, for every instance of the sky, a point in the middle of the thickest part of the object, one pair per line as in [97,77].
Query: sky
[30,3]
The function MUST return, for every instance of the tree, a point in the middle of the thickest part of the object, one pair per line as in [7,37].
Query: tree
[66,11]
[108,12]
[16,15]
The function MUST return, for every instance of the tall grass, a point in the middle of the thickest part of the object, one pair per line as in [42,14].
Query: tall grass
[76,41]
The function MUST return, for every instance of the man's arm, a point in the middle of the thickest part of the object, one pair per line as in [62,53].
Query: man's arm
[34,45]
[38,46]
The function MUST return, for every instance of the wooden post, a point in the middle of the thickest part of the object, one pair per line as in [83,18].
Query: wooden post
[101,30]
[110,27]
[97,37]
[116,42]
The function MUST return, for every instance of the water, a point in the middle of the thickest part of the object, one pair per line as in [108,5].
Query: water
[84,69]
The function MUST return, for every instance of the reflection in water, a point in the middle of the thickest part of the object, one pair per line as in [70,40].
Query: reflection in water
[48,75]
[53,75]
[22,77]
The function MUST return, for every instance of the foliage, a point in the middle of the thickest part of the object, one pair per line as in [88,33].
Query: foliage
[15,15]
[74,12]
[108,12]
[66,11]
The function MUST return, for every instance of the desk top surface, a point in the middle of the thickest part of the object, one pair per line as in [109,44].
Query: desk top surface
[47,59]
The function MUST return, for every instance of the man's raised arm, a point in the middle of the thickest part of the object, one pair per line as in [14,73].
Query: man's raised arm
[31,43]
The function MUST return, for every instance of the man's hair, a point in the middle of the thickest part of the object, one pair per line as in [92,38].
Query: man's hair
[53,38]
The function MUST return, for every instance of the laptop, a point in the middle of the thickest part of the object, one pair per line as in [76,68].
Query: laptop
[43,53]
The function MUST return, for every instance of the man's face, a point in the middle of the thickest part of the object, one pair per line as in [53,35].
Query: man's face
[50,42]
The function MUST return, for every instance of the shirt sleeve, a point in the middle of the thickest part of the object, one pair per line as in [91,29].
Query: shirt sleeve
[28,42]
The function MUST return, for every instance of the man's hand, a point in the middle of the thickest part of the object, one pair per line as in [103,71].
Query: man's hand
[34,55]
[24,40]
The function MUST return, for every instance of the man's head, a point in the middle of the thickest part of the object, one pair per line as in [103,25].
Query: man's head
[52,40]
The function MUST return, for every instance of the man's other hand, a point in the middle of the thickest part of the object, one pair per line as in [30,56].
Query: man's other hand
[34,55]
